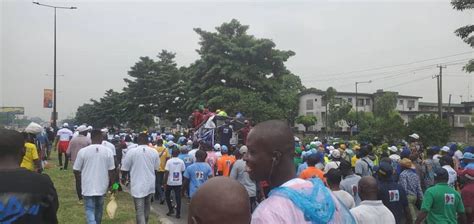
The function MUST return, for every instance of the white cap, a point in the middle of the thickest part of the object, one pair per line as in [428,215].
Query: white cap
[243,149]
[415,136]
[318,143]
[189,142]
[393,148]
[336,154]
[217,147]
[82,128]
[445,149]
[89,127]
[65,125]
[105,130]
[297,139]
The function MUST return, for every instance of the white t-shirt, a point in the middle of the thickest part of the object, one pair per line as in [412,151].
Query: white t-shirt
[345,198]
[331,165]
[64,134]
[373,212]
[110,146]
[175,167]
[192,153]
[94,163]
[141,162]
[452,175]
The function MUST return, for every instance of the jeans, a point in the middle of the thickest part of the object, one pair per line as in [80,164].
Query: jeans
[177,194]
[78,187]
[158,184]
[142,208]
[94,206]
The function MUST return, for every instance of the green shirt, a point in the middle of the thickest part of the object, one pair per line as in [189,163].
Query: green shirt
[441,202]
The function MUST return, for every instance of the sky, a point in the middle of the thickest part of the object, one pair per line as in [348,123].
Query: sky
[396,44]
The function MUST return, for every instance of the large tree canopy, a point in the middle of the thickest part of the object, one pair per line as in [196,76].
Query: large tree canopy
[465,32]
[236,72]
[239,72]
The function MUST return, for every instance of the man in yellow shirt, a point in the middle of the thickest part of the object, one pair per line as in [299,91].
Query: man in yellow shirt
[31,159]
[164,156]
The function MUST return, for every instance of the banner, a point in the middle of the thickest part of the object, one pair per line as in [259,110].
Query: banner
[48,98]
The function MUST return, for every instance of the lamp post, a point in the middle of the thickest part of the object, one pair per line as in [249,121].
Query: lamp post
[54,115]
[357,102]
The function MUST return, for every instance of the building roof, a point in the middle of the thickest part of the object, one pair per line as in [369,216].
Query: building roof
[429,104]
[321,92]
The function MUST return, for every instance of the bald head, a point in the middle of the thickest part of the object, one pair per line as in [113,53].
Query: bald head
[368,188]
[273,135]
[220,200]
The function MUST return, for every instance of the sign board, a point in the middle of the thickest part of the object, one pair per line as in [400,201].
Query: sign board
[48,98]
[13,110]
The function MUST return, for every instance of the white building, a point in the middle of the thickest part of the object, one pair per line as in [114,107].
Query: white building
[311,102]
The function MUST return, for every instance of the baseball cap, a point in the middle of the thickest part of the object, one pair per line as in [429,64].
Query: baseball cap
[393,148]
[445,149]
[82,128]
[415,136]
[65,125]
[441,173]
[385,169]
[468,155]
[217,147]
[224,149]
[243,150]
[336,154]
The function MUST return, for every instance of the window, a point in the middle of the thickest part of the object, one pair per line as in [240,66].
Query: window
[367,102]
[411,104]
[464,119]
[400,102]
[309,113]
[360,102]
[323,118]
[323,102]
[309,104]
[349,100]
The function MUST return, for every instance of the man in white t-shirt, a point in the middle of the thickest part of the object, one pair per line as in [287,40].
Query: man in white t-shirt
[174,181]
[63,137]
[333,179]
[370,209]
[94,165]
[141,162]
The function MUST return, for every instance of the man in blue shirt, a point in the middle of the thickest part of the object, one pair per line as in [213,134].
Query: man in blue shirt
[392,194]
[187,159]
[197,174]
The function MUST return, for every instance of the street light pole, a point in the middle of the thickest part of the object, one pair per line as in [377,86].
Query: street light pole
[54,115]
[357,101]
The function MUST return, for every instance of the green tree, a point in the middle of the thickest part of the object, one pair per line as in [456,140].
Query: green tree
[432,130]
[465,32]
[385,104]
[239,72]
[307,121]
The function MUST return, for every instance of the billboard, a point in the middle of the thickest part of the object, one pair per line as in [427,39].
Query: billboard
[13,110]
[48,98]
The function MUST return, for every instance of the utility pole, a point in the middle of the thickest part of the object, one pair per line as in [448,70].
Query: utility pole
[440,91]
[54,115]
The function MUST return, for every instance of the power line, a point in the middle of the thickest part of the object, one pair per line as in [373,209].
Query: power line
[397,65]
[411,81]
[387,72]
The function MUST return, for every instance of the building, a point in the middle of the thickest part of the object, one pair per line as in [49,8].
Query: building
[312,102]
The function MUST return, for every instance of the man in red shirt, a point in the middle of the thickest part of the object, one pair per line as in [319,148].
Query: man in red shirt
[467,193]
[245,131]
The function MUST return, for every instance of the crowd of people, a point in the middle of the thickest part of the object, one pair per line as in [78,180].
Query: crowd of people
[273,177]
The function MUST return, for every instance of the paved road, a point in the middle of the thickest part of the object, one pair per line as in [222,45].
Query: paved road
[161,211]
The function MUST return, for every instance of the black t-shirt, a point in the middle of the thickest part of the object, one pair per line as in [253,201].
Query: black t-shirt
[225,133]
[27,197]
[394,198]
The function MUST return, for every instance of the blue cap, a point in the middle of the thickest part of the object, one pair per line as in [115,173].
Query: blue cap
[224,149]
[468,155]
[405,152]
[469,149]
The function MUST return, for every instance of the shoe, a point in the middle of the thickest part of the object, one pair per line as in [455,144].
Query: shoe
[60,168]
[178,216]
[80,202]
[162,202]
[170,213]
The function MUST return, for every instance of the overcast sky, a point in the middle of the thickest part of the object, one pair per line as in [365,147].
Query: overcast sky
[101,40]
